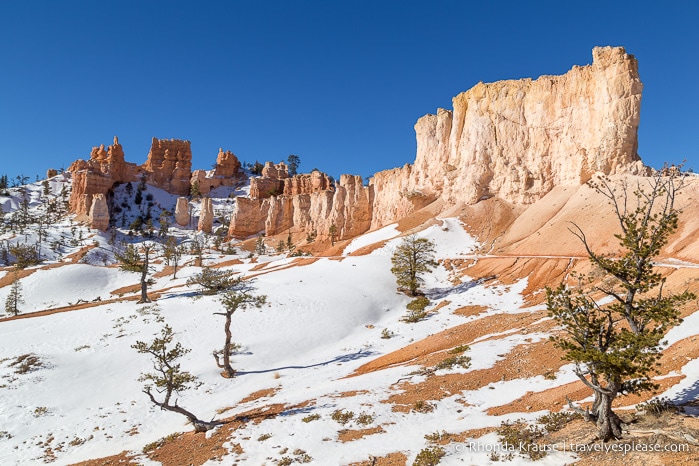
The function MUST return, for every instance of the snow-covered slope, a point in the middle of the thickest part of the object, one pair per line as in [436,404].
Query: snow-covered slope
[69,388]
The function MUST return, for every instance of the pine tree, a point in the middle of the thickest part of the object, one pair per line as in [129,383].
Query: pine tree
[130,261]
[333,233]
[168,378]
[172,253]
[413,258]
[293,162]
[14,298]
[240,295]
[260,247]
[615,342]
[212,281]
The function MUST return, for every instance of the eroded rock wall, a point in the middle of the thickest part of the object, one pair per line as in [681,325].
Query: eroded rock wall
[169,165]
[518,139]
[515,140]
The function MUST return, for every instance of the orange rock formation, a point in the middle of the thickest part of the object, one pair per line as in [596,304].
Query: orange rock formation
[515,140]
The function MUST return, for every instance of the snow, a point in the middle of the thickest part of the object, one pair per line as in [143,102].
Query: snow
[376,236]
[321,322]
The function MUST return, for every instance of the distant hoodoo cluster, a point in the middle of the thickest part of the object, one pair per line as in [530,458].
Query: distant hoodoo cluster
[514,139]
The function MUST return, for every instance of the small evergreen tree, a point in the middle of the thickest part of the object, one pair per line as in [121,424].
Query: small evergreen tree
[260,247]
[616,342]
[289,243]
[194,191]
[164,221]
[168,378]
[172,253]
[412,258]
[333,233]
[293,162]
[14,298]
[212,281]
[240,295]
[130,261]
[257,168]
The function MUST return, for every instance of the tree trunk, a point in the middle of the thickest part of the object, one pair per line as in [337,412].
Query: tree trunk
[144,280]
[608,423]
[199,425]
[228,371]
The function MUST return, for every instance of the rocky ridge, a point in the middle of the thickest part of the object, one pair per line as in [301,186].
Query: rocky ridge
[514,140]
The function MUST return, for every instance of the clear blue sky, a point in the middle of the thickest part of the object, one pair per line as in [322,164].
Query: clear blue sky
[340,83]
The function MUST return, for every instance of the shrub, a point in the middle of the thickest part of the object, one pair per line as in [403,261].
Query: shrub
[341,416]
[386,334]
[437,436]
[553,422]
[423,407]
[416,310]
[459,349]
[658,406]
[429,456]
[450,362]
[418,304]
[524,437]
[311,417]
[365,419]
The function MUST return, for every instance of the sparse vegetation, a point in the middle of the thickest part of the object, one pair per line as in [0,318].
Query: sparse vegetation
[421,406]
[449,363]
[213,281]
[553,422]
[459,349]
[430,456]
[386,334]
[130,260]
[658,406]
[523,437]
[311,417]
[26,363]
[342,416]
[365,419]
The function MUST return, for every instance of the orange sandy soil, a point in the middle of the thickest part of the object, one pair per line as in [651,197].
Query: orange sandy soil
[195,449]
[349,435]
[264,393]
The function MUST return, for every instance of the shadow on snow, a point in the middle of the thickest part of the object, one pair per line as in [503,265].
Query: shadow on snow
[340,359]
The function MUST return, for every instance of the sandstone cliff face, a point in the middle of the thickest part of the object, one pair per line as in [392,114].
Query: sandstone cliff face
[518,139]
[515,140]
[311,206]
[169,165]
[98,175]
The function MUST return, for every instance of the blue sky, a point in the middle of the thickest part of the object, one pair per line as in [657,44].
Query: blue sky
[340,83]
